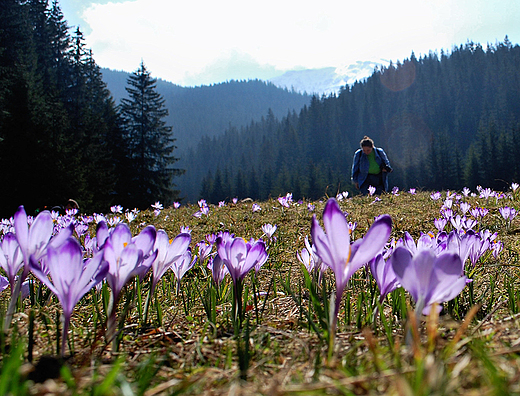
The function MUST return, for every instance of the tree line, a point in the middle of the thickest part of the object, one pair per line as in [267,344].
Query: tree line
[446,120]
[62,135]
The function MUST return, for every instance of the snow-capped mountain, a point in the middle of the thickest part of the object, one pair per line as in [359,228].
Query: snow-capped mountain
[327,80]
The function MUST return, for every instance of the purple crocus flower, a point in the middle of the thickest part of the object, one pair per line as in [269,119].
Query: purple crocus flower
[240,256]
[428,277]
[33,239]
[464,207]
[269,230]
[461,244]
[496,248]
[425,241]
[218,269]
[486,193]
[167,253]
[335,250]
[33,236]
[447,213]
[311,260]
[440,223]
[458,222]
[182,265]
[286,200]
[128,257]
[11,258]
[479,247]
[507,213]
[436,195]
[306,258]
[204,250]
[71,278]
[384,275]
[116,209]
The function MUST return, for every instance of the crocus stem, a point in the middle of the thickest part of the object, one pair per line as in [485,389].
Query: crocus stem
[335,301]
[112,322]
[237,309]
[64,334]
[147,303]
[416,318]
[12,304]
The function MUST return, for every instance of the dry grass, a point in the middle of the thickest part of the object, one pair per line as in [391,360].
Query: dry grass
[186,354]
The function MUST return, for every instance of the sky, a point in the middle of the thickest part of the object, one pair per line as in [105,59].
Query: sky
[202,42]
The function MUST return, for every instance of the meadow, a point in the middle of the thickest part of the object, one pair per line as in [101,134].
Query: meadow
[278,329]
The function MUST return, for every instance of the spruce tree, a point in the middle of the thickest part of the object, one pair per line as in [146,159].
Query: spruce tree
[148,170]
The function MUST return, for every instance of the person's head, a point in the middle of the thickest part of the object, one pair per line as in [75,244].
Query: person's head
[367,145]
[71,204]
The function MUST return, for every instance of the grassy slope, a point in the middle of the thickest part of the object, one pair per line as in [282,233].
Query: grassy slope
[186,354]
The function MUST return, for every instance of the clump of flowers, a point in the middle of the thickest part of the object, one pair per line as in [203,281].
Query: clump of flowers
[286,200]
[335,250]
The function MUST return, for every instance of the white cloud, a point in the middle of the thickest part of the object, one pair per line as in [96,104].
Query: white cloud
[179,40]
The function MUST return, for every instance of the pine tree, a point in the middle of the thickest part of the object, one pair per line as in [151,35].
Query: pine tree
[148,167]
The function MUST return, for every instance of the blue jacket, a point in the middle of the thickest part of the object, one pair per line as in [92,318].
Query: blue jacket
[360,166]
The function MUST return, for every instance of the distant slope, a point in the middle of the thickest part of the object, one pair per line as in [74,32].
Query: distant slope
[210,110]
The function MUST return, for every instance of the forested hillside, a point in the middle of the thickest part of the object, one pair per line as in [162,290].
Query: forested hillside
[61,134]
[58,122]
[446,120]
[195,112]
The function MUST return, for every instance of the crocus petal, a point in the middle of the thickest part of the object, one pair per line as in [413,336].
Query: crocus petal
[237,258]
[37,271]
[179,246]
[374,241]
[21,228]
[446,281]
[3,283]
[11,257]
[423,264]
[401,261]
[337,230]
[94,271]
[256,256]
[58,239]
[101,233]
[120,237]
[40,233]
[183,264]
[145,239]
[321,244]
[384,275]
[409,243]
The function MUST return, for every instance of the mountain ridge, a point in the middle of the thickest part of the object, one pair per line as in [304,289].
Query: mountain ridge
[327,80]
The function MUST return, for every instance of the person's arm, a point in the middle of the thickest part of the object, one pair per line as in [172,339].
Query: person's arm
[384,158]
[355,169]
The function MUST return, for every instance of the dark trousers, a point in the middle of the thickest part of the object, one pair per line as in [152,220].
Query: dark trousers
[374,181]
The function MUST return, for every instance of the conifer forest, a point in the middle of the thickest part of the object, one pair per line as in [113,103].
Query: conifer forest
[446,120]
